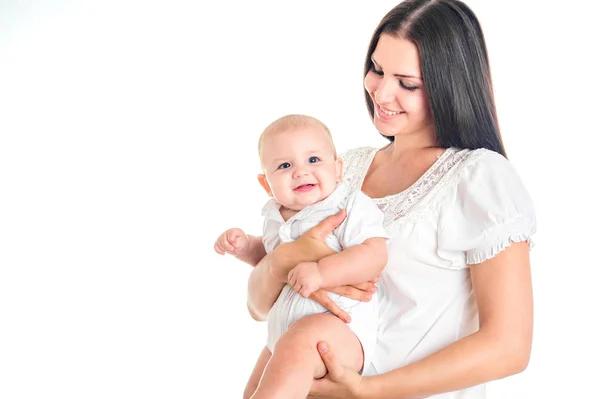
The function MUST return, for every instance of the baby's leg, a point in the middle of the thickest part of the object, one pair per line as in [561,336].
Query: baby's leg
[295,361]
[263,358]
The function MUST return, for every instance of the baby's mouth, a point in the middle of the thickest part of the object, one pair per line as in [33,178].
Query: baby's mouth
[305,187]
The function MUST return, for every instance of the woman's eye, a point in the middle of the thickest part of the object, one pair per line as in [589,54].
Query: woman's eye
[409,88]
[313,159]
[284,165]
[380,73]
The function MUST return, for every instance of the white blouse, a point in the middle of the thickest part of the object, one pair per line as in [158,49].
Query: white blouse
[467,207]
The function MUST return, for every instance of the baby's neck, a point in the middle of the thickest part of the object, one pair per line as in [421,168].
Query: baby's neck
[287,213]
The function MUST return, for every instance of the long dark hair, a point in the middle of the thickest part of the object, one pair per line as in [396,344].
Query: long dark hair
[455,68]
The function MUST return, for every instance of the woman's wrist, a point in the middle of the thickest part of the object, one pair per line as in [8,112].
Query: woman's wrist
[286,256]
[365,389]
[373,387]
[282,261]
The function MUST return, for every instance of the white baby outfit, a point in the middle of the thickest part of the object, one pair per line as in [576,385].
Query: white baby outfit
[465,209]
[363,221]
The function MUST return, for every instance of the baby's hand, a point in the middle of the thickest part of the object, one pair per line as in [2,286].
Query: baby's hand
[233,241]
[305,278]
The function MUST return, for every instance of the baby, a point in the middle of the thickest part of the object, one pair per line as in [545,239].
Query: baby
[303,175]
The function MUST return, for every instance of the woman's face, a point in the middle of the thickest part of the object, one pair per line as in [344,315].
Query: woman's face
[396,88]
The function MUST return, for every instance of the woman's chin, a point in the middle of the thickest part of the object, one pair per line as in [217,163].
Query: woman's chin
[386,131]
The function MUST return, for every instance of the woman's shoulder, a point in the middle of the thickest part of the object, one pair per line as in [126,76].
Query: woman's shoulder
[356,154]
[480,174]
[487,168]
[486,207]
[462,166]
[356,160]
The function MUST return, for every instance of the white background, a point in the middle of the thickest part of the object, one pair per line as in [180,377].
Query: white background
[128,143]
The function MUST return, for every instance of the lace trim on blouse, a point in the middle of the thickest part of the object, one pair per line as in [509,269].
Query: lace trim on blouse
[412,203]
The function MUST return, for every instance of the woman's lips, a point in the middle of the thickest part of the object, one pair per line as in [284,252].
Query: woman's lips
[386,114]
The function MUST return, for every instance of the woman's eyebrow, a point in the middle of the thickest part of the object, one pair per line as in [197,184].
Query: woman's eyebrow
[398,75]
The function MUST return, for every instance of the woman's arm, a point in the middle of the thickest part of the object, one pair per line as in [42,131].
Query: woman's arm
[353,265]
[263,289]
[270,274]
[501,347]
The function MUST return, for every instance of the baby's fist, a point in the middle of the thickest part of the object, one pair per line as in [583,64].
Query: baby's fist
[233,241]
[305,278]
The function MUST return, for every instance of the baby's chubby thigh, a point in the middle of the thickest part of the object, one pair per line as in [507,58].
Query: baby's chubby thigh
[306,322]
[291,307]
[300,341]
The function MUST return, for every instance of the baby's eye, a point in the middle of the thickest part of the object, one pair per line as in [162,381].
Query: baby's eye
[313,159]
[284,165]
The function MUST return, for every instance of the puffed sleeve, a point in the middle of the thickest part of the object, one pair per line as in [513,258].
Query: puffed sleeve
[364,220]
[486,210]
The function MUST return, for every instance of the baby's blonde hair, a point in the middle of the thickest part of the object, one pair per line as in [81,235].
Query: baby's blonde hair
[293,121]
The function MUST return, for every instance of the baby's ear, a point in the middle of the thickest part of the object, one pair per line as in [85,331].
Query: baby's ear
[262,179]
[339,169]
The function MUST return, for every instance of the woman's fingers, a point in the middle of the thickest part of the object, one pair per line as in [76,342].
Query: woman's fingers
[324,299]
[326,227]
[352,293]
[334,368]
[369,286]
[339,382]
[322,389]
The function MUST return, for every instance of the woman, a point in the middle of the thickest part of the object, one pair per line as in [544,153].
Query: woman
[455,297]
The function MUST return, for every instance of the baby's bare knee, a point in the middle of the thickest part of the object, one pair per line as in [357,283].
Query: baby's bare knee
[309,331]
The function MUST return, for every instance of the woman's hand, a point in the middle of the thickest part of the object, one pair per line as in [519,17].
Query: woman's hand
[361,292]
[270,274]
[309,247]
[339,382]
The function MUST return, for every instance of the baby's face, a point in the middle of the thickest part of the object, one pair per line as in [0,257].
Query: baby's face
[300,166]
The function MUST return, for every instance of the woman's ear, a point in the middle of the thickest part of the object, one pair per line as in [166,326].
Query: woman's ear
[339,169]
[262,179]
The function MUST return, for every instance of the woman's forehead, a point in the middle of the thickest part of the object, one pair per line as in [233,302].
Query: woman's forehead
[397,56]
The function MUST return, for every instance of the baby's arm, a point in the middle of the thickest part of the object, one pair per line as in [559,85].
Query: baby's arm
[254,253]
[247,248]
[354,265]
[365,241]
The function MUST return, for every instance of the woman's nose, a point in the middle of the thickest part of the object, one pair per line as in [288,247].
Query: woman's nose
[385,91]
